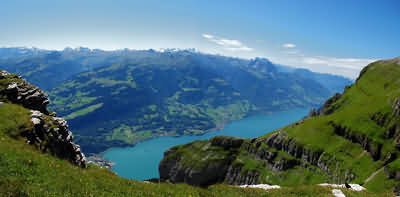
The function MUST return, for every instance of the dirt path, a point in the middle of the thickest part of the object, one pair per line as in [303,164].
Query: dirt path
[361,155]
[373,175]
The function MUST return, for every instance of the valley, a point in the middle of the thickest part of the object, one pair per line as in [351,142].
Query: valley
[183,98]
[330,145]
[141,161]
[119,98]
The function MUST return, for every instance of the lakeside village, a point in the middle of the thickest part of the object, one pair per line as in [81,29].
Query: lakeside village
[99,161]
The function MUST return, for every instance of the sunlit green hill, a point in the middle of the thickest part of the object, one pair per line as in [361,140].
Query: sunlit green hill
[353,138]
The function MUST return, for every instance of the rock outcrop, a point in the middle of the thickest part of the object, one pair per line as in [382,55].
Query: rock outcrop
[175,172]
[279,141]
[396,107]
[367,144]
[49,133]
[327,108]
[236,176]
[19,91]
[172,169]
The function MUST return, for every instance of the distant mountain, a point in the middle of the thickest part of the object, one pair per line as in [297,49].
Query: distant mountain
[174,94]
[47,69]
[116,98]
[13,52]
[333,83]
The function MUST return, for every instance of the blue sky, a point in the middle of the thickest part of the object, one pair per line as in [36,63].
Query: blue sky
[338,36]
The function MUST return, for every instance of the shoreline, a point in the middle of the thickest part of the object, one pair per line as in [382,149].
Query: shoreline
[99,157]
[99,160]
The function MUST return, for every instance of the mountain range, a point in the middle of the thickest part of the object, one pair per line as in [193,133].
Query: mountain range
[118,98]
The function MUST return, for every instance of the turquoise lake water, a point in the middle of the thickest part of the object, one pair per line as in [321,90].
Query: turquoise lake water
[141,161]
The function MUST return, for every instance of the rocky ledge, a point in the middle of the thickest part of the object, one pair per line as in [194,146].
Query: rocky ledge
[49,133]
[19,91]
[174,170]
[225,165]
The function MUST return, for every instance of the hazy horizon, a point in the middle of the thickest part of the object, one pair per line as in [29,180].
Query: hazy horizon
[337,37]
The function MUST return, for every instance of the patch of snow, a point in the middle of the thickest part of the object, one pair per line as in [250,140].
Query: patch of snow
[36,121]
[354,187]
[36,114]
[12,86]
[357,187]
[261,186]
[338,193]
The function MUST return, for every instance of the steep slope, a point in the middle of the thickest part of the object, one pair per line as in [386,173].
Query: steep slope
[350,139]
[34,147]
[174,94]
[23,110]
[333,83]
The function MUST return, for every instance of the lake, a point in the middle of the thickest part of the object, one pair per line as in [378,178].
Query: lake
[141,161]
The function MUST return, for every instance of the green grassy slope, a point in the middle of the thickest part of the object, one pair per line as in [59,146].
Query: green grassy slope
[25,171]
[355,139]
[365,110]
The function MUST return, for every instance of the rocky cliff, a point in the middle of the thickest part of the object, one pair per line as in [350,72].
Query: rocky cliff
[48,132]
[351,138]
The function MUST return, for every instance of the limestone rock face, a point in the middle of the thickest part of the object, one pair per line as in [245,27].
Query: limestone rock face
[226,142]
[173,168]
[281,142]
[396,107]
[49,133]
[367,144]
[174,172]
[19,91]
[235,176]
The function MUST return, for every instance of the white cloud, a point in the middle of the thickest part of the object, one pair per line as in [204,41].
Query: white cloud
[348,67]
[295,52]
[227,44]
[346,63]
[243,48]
[208,36]
[289,46]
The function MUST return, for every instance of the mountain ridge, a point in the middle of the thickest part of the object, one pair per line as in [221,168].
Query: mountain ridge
[87,59]
[352,137]
[31,169]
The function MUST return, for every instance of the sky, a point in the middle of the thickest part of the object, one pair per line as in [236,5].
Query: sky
[330,36]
